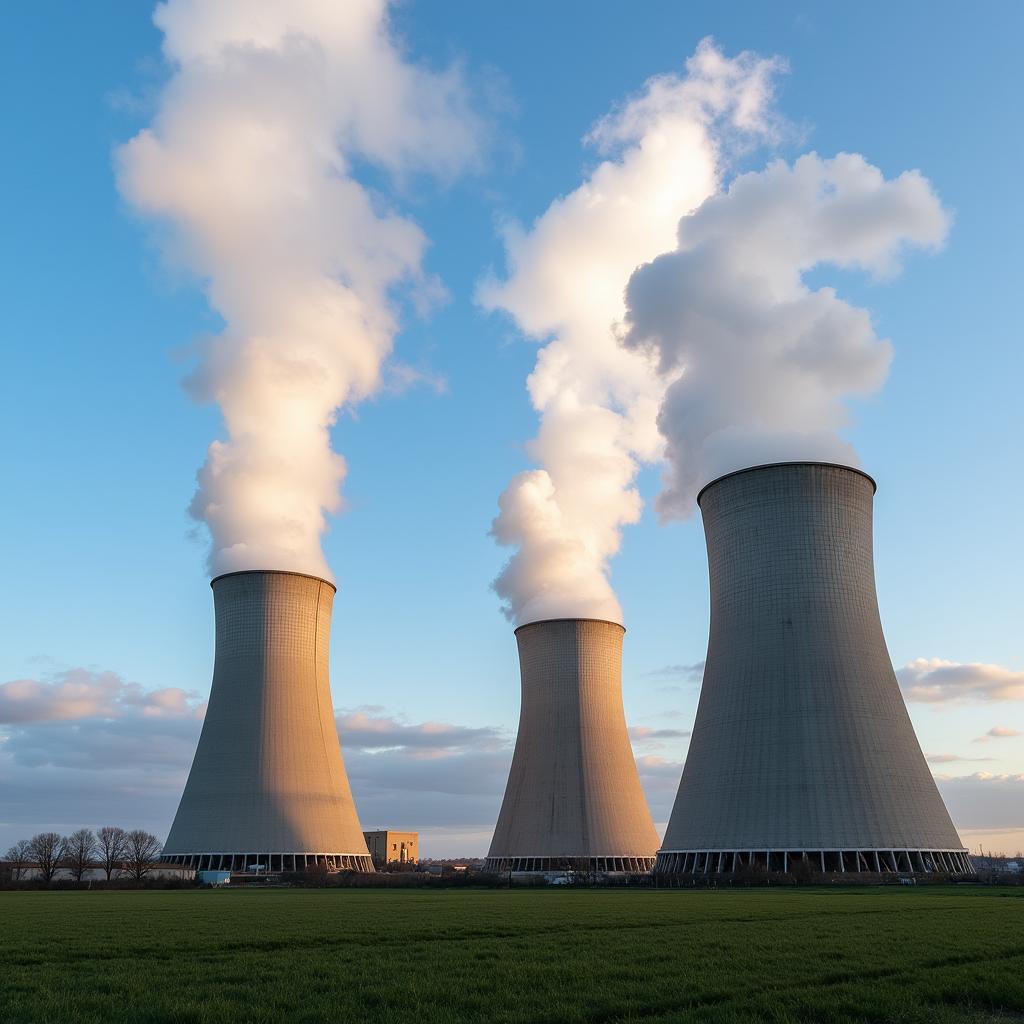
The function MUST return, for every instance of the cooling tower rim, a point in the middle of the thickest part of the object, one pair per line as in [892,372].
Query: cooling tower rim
[795,462]
[568,618]
[272,572]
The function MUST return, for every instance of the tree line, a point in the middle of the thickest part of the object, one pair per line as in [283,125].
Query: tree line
[112,849]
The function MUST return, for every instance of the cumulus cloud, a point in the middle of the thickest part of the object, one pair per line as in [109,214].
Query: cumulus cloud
[427,775]
[80,693]
[934,681]
[251,161]
[84,748]
[664,155]
[759,365]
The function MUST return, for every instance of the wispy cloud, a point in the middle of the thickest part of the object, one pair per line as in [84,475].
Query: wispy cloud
[689,673]
[950,758]
[934,681]
[642,732]
[367,728]
[999,732]
[401,377]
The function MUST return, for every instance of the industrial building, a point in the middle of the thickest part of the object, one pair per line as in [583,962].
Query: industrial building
[267,790]
[573,798]
[802,749]
[392,847]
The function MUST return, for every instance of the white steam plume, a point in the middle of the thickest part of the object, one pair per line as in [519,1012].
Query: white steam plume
[760,365]
[598,401]
[249,158]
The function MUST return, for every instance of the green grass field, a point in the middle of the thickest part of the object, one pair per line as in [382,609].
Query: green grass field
[599,956]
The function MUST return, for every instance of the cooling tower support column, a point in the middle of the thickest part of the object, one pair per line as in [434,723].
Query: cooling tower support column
[802,749]
[267,785]
[573,799]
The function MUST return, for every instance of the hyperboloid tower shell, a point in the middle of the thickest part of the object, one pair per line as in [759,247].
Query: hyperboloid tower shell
[267,784]
[573,798]
[802,748]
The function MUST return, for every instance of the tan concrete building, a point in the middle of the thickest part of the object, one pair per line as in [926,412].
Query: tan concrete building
[802,749]
[267,790]
[573,798]
[393,847]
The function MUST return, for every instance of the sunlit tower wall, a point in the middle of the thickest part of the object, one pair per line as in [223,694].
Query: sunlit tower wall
[267,785]
[573,798]
[802,748]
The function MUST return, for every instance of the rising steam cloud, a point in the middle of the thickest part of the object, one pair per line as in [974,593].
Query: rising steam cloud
[759,365]
[598,401]
[249,158]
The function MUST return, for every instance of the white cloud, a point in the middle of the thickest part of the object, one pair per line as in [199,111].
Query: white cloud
[597,401]
[934,681]
[250,159]
[759,365]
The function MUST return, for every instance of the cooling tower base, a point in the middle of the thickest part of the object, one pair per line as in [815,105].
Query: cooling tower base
[270,862]
[600,865]
[859,862]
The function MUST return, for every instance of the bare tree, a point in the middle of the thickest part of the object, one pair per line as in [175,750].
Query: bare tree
[20,859]
[46,850]
[142,851]
[112,848]
[81,851]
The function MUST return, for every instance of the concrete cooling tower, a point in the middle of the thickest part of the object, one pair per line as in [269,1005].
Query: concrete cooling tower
[802,748]
[573,798]
[267,784]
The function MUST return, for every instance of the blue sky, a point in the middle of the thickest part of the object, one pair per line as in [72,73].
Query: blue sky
[105,571]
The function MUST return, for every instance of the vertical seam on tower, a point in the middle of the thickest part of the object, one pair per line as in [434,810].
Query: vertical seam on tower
[580,651]
[316,672]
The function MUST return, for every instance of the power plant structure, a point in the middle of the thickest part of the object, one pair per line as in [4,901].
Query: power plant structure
[802,749]
[573,798]
[267,789]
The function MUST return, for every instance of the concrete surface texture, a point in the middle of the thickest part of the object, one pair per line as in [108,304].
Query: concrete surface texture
[573,789]
[267,782]
[802,741]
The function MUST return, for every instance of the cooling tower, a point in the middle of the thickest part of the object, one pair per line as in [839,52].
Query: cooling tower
[802,748]
[573,798]
[267,784]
